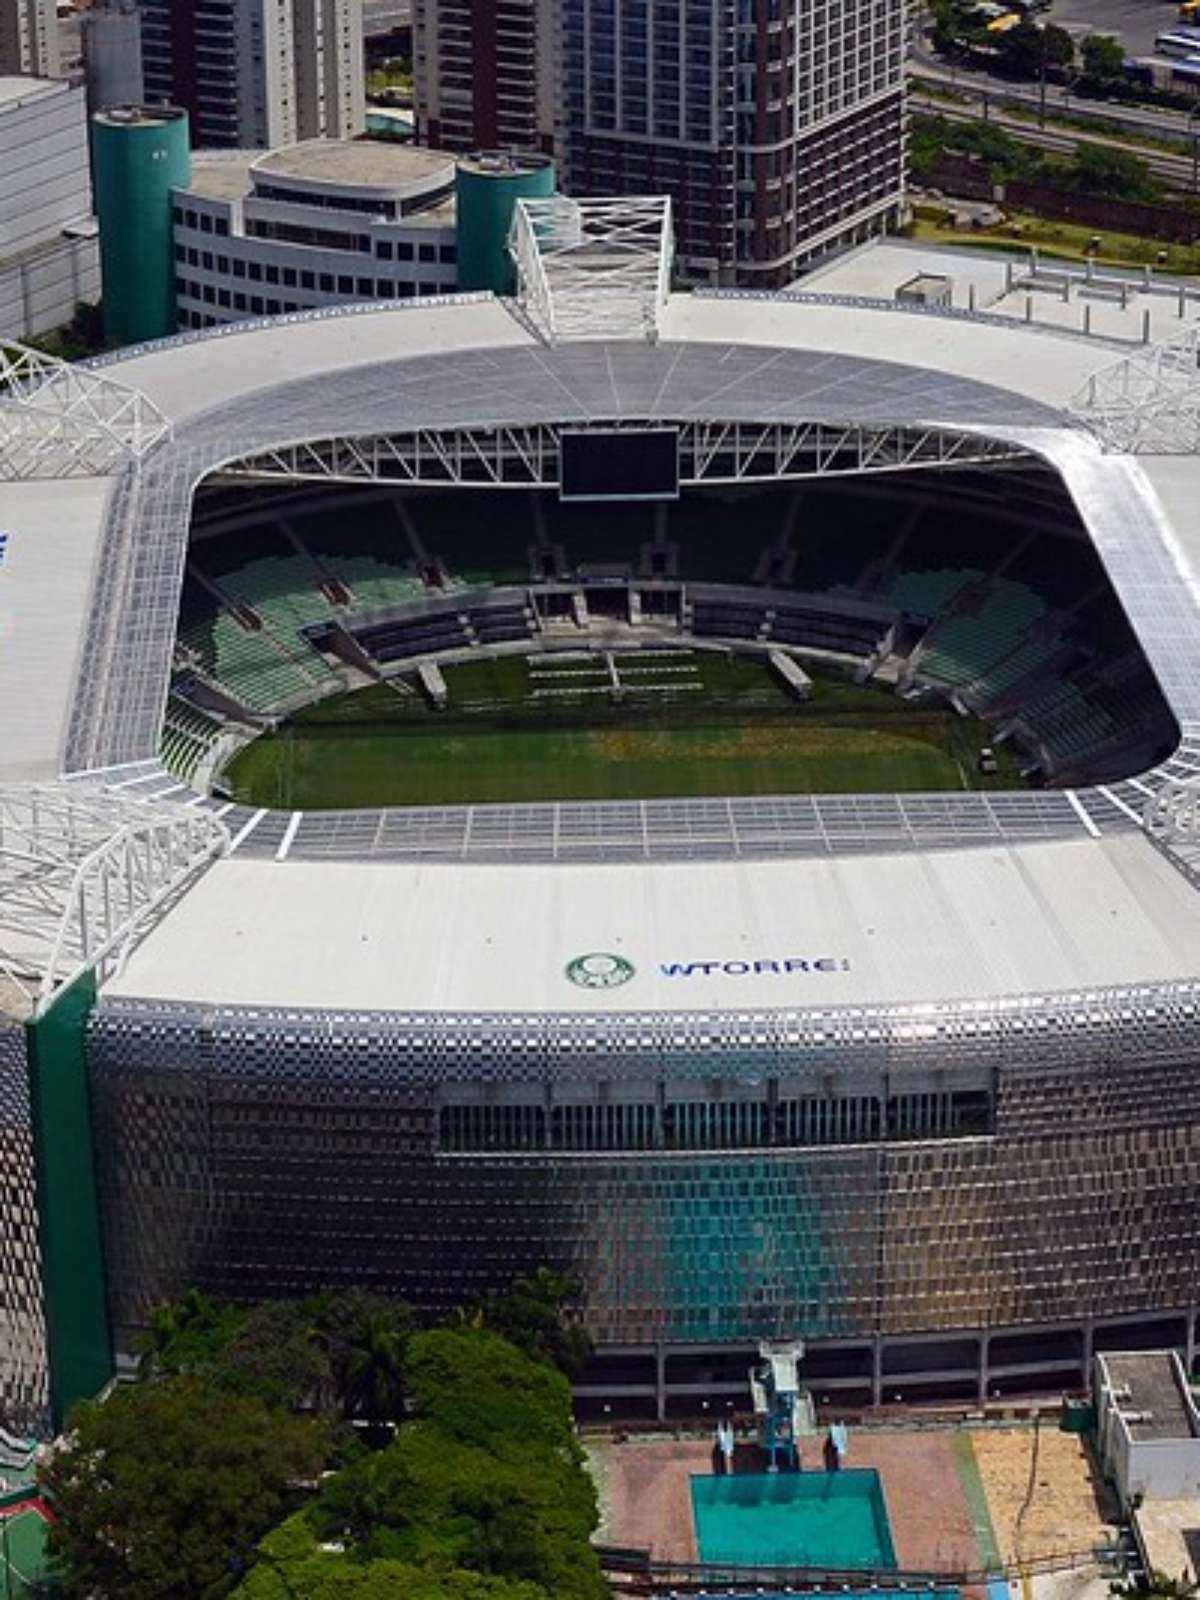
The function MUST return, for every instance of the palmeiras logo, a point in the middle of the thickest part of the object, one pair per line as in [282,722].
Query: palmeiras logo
[600,970]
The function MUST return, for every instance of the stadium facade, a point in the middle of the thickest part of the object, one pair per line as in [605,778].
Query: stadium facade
[911,1076]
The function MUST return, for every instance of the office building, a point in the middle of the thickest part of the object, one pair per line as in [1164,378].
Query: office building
[312,225]
[253,74]
[48,252]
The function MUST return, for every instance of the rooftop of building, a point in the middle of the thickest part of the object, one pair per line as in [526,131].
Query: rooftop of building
[387,168]
[139,116]
[357,163]
[1108,302]
[504,163]
[1149,1396]
[922,927]
[14,89]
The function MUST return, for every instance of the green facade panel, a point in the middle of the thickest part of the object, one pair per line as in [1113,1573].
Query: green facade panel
[487,188]
[77,1326]
[139,156]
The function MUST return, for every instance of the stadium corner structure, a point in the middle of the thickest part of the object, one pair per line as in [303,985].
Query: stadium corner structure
[910,1076]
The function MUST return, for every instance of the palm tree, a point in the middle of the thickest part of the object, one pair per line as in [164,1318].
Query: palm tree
[373,1371]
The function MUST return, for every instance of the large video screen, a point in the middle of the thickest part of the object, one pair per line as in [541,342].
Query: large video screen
[619,464]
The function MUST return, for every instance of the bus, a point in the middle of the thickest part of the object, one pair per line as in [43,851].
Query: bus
[1180,44]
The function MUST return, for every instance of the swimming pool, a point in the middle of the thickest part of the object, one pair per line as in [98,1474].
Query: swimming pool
[793,1519]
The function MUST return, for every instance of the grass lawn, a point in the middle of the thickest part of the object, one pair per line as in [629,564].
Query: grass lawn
[738,732]
[1062,241]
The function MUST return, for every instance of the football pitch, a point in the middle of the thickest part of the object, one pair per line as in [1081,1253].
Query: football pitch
[630,727]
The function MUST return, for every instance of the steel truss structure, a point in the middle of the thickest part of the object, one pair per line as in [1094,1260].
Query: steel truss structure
[1148,403]
[709,452]
[63,421]
[593,269]
[82,869]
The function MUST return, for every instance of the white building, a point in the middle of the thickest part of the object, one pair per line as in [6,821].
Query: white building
[1148,1426]
[316,224]
[257,73]
[29,37]
[48,247]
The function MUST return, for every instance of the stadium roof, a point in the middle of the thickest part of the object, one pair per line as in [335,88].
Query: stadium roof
[97,657]
[917,928]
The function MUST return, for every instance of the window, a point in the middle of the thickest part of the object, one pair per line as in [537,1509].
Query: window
[223,297]
[345,285]
[222,227]
[386,289]
[289,277]
[447,255]
[177,215]
[404,252]
[239,301]
[327,282]
[206,260]
[256,304]
[222,263]
[180,253]
[205,222]
[193,258]
[308,280]
[385,250]
[272,308]
[239,268]
[255,270]
[426,252]
[366,288]
[272,273]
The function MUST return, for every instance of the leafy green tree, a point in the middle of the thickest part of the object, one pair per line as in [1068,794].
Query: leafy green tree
[535,1314]
[488,1475]
[291,1565]
[187,1335]
[1029,49]
[367,1337]
[162,1487]
[281,1353]
[1102,58]
[1100,169]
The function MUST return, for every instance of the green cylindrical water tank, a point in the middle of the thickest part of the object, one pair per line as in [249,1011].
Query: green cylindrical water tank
[487,187]
[140,153]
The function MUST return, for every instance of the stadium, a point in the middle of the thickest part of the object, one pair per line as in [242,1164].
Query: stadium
[693,790]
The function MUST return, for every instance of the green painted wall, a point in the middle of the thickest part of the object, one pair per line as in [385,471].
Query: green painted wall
[72,1260]
[138,157]
[486,188]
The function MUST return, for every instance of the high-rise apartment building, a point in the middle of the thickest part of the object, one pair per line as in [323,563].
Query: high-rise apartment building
[776,126]
[29,38]
[484,73]
[257,73]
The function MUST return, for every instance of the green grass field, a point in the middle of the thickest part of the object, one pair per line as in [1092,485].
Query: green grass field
[514,733]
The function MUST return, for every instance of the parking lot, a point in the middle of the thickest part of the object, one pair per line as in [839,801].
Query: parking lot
[1135,21]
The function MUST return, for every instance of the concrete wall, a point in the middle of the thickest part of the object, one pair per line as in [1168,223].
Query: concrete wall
[43,165]
[40,290]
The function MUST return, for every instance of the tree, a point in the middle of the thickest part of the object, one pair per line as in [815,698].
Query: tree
[487,1475]
[1100,169]
[534,1314]
[1103,59]
[291,1565]
[280,1353]
[367,1337]
[163,1488]
[186,1335]
[1028,50]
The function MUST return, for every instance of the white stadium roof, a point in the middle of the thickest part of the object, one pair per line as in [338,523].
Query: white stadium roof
[1030,890]
[744,936]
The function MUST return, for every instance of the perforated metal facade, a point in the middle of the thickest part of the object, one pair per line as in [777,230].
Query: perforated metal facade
[24,1365]
[262,1153]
